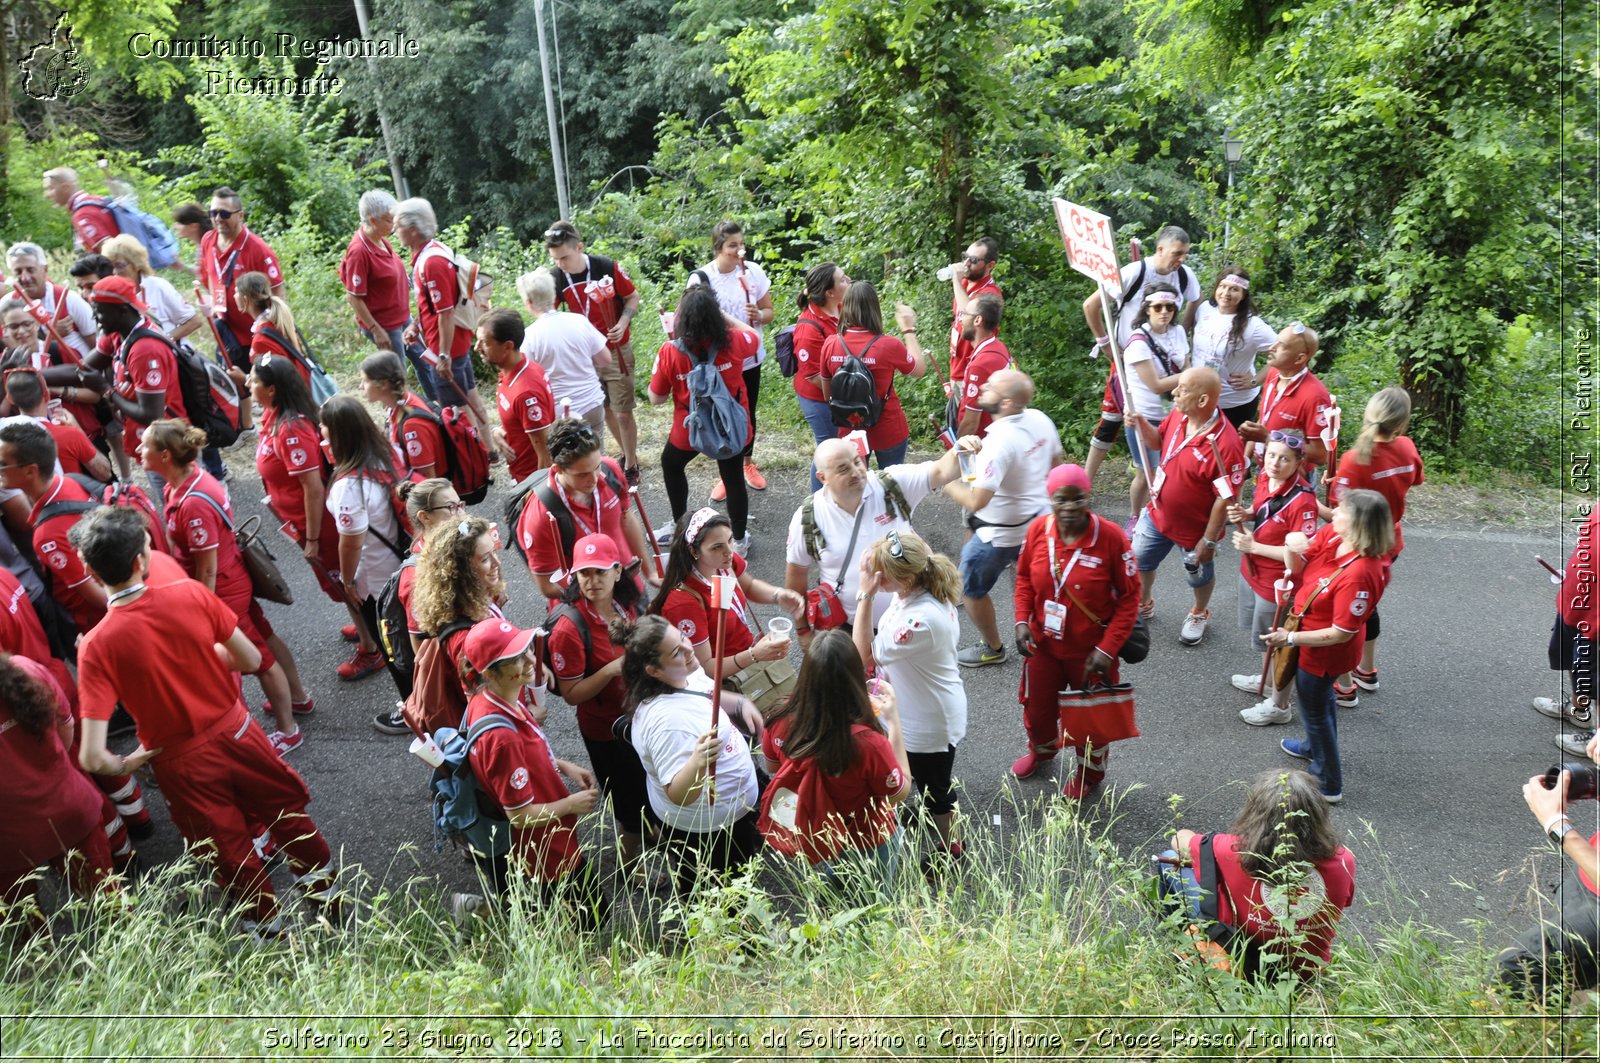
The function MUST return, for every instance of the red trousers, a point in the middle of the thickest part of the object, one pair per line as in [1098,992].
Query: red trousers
[84,865]
[1044,676]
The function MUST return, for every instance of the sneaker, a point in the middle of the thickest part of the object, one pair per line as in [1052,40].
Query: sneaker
[1249,684]
[1333,798]
[299,708]
[1298,748]
[663,536]
[1367,681]
[980,656]
[1575,743]
[1562,710]
[361,665]
[631,474]
[391,723]
[1346,697]
[267,850]
[1266,712]
[1147,609]
[287,743]
[348,633]
[1194,628]
[753,478]
[719,493]
[1080,785]
[742,546]
[1028,765]
[464,906]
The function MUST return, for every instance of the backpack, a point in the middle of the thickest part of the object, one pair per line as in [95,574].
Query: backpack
[718,424]
[1242,952]
[393,629]
[323,387]
[466,462]
[894,499]
[570,611]
[209,394]
[402,548]
[539,484]
[462,812]
[473,289]
[144,227]
[854,400]
[1185,275]
[437,699]
[783,347]
[117,493]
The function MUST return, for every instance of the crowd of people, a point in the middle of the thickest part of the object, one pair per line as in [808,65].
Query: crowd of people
[701,738]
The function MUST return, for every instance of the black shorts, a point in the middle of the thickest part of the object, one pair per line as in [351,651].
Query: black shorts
[1571,652]
[621,777]
[931,774]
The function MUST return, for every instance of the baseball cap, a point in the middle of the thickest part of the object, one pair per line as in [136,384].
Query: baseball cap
[117,290]
[1067,476]
[494,640]
[594,551]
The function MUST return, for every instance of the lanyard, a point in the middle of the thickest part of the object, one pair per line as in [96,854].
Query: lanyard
[126,592]
[1284,388]
[739,609]
[572,285]
[519,714]
[594,494]
[1060,580]
[1168,455]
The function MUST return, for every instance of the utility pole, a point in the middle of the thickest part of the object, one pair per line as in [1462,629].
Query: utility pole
[401,189]
[556,161]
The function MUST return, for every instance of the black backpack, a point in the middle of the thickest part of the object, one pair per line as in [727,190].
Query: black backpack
[599,266]
[783,348]
[853,397]
[570,611]
[209,395]
[539,484]
[393,630]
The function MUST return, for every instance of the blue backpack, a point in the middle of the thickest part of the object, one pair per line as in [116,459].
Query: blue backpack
[719,426]
[146,228]
[462,812]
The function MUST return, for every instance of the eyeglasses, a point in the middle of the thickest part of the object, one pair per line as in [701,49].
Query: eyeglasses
[973,260]
[1164,308]
[457,506]
[21,326]
[897,549]
[223,215]
[1288,439]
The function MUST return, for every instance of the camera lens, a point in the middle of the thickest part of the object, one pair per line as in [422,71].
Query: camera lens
[1585,784]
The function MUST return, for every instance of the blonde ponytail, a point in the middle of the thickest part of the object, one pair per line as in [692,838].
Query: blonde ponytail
[1388,414]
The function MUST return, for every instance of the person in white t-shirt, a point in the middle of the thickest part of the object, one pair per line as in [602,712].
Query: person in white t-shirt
[69,317]
[1006,490]
[745,295]
[1228,335]
[571,350]
[1157,352]
[171,313]
[822,540]
[1164,267]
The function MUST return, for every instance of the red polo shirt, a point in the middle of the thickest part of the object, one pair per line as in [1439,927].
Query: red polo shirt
[194,526]
[57,555]
[515,768]
[687,611]
[1395,469]
[571,664]
[73,448]
[1355,584]
[148,367]
[811,332]
[523,394]
[1299,514]
[372,270]
[418,441]
[219,271]
[598,298]
[1183,493]
[438,292]
[986,359]
[604,515]
[92,220]
[960,349]
[1300,405]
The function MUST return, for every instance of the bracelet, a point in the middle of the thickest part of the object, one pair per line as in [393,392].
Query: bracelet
[908,332]
[1288,640]
[1102,341]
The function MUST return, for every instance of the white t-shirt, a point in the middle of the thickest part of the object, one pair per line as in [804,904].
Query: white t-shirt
[732,297]
[1174,344]
[1214,346]
[565,346]
[1018,453]
[85,329]
[1130,307]
[167,308]
[359,504]
[835,525]
[916,648]
[665,730]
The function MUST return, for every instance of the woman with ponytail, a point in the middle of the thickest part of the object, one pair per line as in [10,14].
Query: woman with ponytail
[820,302]
[274,331]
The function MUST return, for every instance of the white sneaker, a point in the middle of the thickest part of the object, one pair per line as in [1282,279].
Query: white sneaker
[1194,628]
[663,536]
[1576,745]
[742,546]
[1562,710]
[1250,684]
[1266,712]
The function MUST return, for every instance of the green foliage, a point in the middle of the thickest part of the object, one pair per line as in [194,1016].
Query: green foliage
[33,217]
[106,29]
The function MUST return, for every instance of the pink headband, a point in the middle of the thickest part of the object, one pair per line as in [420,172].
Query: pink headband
[701,516]
[1237,281]
[1161,297]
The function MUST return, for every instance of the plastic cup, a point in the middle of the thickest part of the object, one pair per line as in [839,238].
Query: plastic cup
[969,472]
[780,627]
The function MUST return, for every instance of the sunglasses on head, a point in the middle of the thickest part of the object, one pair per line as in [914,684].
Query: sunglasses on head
[896,549]
[1288,439]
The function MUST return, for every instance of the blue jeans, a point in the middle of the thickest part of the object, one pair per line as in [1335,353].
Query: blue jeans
[864,871]
[413,353]
[891,455]
[820,417]
[1321,714]
[1150,547]
[1180,887]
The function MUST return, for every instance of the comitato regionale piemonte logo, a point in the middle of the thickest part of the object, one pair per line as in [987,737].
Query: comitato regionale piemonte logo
[54,70]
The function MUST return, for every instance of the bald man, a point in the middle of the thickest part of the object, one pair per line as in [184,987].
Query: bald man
[1201,470]
[1006,490]
[853,509]
[92,221]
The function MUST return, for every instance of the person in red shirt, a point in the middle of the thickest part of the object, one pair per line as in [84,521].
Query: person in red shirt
[438,288]
[413,427]
[1200,472]
[228,252]
[145,385]
[821,301]
[861,334]
[92,221]
[980,326]
[1342,582]
[272,328]
[527,409]
[200,523]
[217,770]
[1077,600]
[1292,399]
[703,332]
[1385,460]
[27,464]
[518,772]
[59,367]
[971,277]
[378,288]
[25,389]
[593,492]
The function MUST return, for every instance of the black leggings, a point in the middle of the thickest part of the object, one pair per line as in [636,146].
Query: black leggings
[674,466]
[752,389]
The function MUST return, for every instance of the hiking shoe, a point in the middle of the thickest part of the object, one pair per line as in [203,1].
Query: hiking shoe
[1298,748]
[980,656]
[391,723]
[753,478]
[1346,697]
[1563,710]
[1250,684]
[741,546]
[719,493]
[361,665]
[1575,742]
[1028,765]
[1147,609]
[1367,681]
[1265,713]
[348,633]
[1194,627]
[287,743]
[631,474]
[464,906]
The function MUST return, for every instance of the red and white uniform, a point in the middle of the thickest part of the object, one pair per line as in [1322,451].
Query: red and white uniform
[886,357]
[92,221]
[73,449]
[986,359]
[598,297]
[147,366]
[1244,904]
[960,349]
[671,373]
[1299,404]
[1354,586]
[438,292]
[571,664]
[371,270]
[196,526]
[286,451]
[811,332]
[66,318]
[219,271]
[58,557]
[687,609]
[523,395]
[1184,489]
[836,813]
[22,635]
[418,441]
[262,344]
[515,769]
[1299,514]
[1395,468]
[603,515]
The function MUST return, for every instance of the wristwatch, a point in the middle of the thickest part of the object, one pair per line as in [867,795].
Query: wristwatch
[1558,833]
[1213,543]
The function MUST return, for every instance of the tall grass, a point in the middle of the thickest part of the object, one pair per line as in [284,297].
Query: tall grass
[1042,943]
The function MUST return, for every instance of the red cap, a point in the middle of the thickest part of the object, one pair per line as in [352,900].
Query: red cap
[118,290]
[494,640]
[594,551]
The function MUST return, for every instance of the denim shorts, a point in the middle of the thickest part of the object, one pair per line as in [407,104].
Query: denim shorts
[981,565]
[1150,547]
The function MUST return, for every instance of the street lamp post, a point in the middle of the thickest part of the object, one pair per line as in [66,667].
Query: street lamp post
[1233,151]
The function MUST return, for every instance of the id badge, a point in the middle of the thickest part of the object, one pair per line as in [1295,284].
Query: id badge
[1055,619]
[1161,478]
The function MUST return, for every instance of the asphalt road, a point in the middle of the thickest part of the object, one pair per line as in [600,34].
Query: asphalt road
[1433,762]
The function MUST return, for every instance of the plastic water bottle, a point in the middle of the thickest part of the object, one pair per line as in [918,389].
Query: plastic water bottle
[946,273]
[1191,561]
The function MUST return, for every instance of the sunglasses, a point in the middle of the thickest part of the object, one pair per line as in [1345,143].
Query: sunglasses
[1297,328]
[973,261]
[223,215]
[896,549]
[1288,439]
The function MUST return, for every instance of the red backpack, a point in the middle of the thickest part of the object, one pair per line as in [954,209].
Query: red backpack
[116,493]
[466,462]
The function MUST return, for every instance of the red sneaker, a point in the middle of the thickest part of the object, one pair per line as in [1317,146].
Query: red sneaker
[348,633]
[753,478]
[719,493]
[299,708]
[286,744]
[361,665]
[1029,763]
